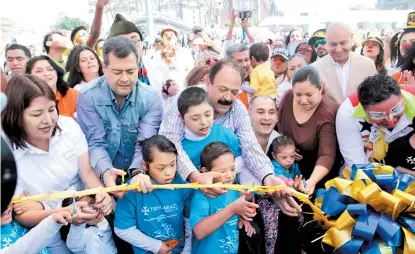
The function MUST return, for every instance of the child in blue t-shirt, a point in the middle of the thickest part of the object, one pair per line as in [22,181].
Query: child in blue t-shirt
[283,153]
[197,114]
[215,221]
[149,221]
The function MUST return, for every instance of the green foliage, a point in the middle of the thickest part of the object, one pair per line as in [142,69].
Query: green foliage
[68,23]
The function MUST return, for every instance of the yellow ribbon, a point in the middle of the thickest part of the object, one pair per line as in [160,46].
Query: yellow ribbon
[124,187]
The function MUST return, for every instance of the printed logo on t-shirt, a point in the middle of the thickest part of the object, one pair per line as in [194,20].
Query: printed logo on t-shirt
[167,211]
[411,160]
[165,233]
[230,243]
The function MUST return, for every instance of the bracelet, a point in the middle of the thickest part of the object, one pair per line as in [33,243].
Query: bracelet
[101,176]
[136,172]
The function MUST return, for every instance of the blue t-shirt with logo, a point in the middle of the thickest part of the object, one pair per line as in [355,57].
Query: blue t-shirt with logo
[218,133]
[11,232]
[226,238]
[158,214]
[292,172]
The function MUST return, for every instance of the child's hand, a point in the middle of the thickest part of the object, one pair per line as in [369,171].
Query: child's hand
[248,227]
[20,208]
[63,217]
[165,249]
[244,208]
[298,184]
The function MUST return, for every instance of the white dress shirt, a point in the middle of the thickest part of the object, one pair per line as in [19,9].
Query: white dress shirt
[342,74]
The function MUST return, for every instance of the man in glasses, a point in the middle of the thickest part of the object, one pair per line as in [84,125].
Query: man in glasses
[370,121]
[342,70]
[318,42]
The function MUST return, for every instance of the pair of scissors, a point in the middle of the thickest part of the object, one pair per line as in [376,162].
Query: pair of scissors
[172,243]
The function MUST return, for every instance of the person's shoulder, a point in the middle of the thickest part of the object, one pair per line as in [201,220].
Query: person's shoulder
[145,90]
[329,106]
[363,60]
[220,129]
[322,61]
[92,87]
[346,109]
[66,122]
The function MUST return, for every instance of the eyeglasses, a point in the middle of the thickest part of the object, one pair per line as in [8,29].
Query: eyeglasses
[397,110]
[304,50]
[322,42]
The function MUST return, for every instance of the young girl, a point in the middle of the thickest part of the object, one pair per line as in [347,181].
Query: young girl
[92,236]
[283,153]
[215,220]
[149,221]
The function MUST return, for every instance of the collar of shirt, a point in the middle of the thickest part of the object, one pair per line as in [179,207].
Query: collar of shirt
[188,134]
[130,97]
[346,64]
[19,152]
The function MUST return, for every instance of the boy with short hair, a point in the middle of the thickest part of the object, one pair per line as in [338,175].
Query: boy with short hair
[215,221]
[197,114]
[262,78]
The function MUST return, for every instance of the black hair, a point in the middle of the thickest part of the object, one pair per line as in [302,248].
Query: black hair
[47,38]
[259,51]
[190,97]
[407,63]
[219,66]
[376,89]
[61,85]
[280,142]
[307,73]
[20,47]
[159,142]
[121,47]
[379,63]
[396,55]
[212,152]
[288,39]
[75,30]
[313,53]
[72,65]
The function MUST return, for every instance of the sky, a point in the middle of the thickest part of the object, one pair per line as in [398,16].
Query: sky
[42,13]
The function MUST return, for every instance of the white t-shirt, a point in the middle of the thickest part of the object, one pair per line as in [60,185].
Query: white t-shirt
[41,172]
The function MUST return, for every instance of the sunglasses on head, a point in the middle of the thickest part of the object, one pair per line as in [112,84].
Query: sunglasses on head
[321,41]
[212,61]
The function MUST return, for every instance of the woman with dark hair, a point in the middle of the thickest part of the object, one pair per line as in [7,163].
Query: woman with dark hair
[46,69]
[295,34]
[308,116]
[374,49]
[51,154]
[199,75]
[407,66]
[85,67]
[400,43]
[307,51]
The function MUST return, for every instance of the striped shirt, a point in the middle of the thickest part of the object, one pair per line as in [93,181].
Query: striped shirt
[237,120]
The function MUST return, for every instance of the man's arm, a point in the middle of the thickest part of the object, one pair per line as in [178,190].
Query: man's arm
[93,128]
[148,127]
[349,137]
[172,127]
[255,159]
[96,24]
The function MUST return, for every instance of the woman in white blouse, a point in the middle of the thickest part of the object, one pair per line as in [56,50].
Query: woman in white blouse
[51,154]
[84,66]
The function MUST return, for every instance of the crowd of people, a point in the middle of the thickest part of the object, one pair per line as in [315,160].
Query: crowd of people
[291,111]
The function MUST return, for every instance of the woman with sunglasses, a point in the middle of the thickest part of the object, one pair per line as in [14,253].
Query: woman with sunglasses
[373,48]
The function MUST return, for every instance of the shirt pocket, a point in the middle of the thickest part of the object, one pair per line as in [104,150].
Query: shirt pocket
[131,133]
[107,129]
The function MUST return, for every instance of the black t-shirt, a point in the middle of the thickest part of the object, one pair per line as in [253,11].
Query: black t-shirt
[401,153]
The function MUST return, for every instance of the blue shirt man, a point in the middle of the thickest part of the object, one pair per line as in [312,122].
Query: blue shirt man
[117,111]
